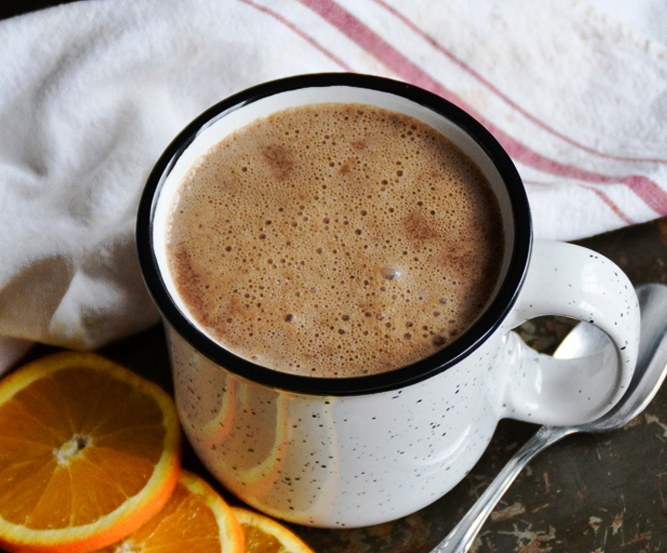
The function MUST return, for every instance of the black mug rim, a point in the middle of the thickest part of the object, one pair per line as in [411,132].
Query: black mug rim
[440,361]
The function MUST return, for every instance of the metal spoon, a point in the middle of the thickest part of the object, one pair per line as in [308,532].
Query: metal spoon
[584,339]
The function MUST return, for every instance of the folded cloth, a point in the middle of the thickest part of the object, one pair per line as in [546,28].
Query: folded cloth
[92,92]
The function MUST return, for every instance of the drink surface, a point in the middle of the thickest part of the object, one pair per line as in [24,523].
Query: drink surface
[335,240]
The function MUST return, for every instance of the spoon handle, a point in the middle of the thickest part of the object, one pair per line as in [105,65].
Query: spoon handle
[461,538]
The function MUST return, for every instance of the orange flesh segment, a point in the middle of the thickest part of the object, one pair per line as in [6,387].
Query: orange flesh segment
[88,452]
[84,458]
[194,519]
[259,541]
[266,535]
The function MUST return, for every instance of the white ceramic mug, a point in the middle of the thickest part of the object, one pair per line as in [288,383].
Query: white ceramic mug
[359,451]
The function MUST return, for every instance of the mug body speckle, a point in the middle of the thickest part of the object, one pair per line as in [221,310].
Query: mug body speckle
[343,461]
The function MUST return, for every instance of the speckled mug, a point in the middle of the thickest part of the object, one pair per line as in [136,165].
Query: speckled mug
[359,451]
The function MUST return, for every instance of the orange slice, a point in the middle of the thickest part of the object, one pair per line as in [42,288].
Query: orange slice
[194,519]
[265,535]
[89,451]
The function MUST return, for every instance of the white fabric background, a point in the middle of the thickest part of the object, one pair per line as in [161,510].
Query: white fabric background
[92,92]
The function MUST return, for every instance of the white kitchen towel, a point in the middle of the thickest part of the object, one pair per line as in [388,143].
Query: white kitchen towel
[92,92]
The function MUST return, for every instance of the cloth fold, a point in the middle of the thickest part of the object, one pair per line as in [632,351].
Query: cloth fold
[91,93]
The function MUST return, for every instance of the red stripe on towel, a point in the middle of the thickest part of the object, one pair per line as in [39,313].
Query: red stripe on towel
[299,32]
[609,202]
[647,190]
[440,48]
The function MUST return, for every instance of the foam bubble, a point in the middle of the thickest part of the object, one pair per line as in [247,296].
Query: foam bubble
[390,272]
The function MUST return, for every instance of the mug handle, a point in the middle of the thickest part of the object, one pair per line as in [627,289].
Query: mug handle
[571,281]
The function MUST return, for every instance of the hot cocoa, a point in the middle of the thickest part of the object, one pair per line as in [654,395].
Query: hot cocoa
[335,240]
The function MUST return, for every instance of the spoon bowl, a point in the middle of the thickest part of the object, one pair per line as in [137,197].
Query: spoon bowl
[584,340]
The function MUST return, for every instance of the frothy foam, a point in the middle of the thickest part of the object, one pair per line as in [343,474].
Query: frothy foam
[335,240]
